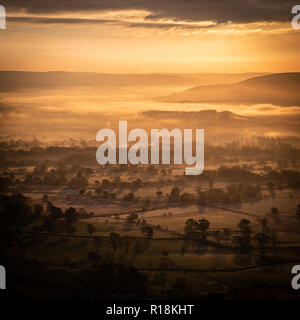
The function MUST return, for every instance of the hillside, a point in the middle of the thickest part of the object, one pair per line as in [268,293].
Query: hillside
[23,80]
[278,89]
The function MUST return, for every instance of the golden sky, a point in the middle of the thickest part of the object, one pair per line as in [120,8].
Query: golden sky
[127,41]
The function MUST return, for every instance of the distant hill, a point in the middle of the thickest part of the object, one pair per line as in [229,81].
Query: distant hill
[281,89]
[23,80]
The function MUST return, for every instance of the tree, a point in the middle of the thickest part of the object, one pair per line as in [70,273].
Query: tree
[271,189]
[146,204]
[190,228]
[91,229]
[244,241]
[132,217]
[274,211]
[264,223]
[15,213]
[262,240]
[106,183]
[129,197]
[49,224]
[147,231]
[71,215]
[217,234]
[45,198]
[117,218]
[175,193]
[244,226]
[115,240]
[226,234]
[54,212]
[187,198]
[38,210]
[203,225]
[70,229]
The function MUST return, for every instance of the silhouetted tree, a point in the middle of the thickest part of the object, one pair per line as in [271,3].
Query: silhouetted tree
[203,225]
[132,217]
[49,224]
[45,198]
[262,240]
[71,215]
[274,211]
[217,234]
[226,234]
[147,231]
[244,241]
[38,210]
[54,212]
[175,193]
[91,229]
[70,229]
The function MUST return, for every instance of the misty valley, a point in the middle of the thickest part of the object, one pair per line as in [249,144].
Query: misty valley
[150,230]
[71,228]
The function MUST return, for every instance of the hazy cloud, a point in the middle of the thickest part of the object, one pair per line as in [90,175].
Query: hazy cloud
[58,20]
[189,10]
